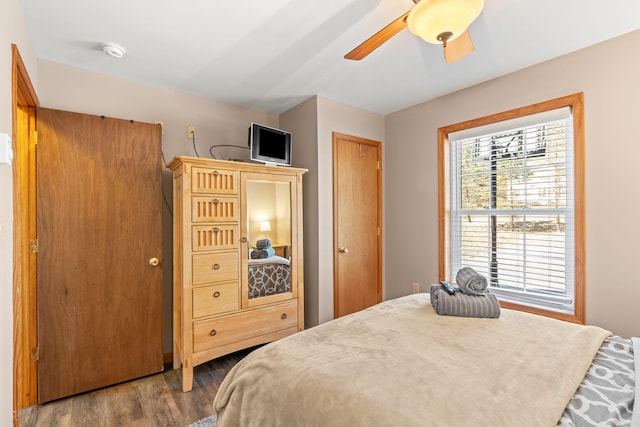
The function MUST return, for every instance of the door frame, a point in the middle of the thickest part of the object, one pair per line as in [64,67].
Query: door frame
[25,366]
[336,136]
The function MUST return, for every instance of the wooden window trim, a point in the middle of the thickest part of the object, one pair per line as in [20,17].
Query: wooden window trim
[576,103]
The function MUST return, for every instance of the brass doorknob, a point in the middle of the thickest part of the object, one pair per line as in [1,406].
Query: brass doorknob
[154,262]
[343,250]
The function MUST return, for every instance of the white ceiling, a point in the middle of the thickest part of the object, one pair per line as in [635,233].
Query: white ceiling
[273,54]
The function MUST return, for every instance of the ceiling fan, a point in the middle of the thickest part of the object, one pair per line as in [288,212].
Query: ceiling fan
[436,21]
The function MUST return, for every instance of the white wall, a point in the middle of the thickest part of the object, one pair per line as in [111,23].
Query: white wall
[72,89]
[12,30]
[328,116]
[302,122]
[312,123]
[607,74]
[334,116]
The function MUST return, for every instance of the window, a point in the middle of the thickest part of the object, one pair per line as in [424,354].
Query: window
[511,205]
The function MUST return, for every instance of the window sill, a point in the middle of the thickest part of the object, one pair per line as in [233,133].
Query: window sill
[573,318]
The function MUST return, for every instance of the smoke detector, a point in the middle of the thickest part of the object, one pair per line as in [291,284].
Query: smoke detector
[113,49]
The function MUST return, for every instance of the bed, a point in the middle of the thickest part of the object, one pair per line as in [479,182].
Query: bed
[400,364]
[269,276]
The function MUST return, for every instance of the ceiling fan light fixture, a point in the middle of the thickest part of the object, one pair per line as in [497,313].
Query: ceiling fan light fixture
[431,19]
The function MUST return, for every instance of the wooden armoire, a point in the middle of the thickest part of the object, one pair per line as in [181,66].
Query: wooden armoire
[218,209]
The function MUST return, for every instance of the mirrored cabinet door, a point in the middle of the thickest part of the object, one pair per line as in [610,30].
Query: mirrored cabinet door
[270,255]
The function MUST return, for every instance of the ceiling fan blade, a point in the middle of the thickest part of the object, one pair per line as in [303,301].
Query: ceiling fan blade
[375,41]
[458,48]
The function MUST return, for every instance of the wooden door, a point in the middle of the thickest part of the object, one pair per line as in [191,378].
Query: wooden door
[357,215]
[99,204]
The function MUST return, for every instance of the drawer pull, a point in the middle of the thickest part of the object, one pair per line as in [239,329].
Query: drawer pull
[216,230]
[216,173]
[284,316]
[215,201]
[216,294]
[243,239]
[216,266]
[213,333]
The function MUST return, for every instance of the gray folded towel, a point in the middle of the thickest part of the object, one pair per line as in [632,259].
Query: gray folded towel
[471,282]
[459,304]
[262,253]
[263,244]
[432,292]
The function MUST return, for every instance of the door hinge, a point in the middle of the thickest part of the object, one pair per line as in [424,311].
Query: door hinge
[33,245]
[35,137]
[378,231]
[35,354]
[378,165]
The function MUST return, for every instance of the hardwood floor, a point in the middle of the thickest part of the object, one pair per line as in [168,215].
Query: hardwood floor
[153,401]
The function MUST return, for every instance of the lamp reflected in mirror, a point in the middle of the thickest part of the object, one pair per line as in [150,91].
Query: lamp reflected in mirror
[265,226]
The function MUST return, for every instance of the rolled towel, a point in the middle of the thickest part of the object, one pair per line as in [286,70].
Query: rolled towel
[262,253]
[263,244]
[471,282]
[459,304]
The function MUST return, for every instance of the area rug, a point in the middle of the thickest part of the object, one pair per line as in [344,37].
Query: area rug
[205,422]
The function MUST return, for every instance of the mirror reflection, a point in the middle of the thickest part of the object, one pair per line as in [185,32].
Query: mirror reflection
[269,234]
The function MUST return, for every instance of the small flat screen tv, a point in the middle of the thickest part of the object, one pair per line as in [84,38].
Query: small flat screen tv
[270,145]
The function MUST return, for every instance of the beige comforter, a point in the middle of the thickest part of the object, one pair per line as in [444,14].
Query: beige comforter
[401,364]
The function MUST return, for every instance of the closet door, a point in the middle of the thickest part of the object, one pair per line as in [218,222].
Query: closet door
[357,223]
[99,202]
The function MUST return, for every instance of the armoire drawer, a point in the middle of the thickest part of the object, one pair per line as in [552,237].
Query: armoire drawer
[225,330]
[214,208]
[215,267]
[214,237]
[220,181]
[216,299]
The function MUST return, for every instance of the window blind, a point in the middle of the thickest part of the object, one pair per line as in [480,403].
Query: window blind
[512,208]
